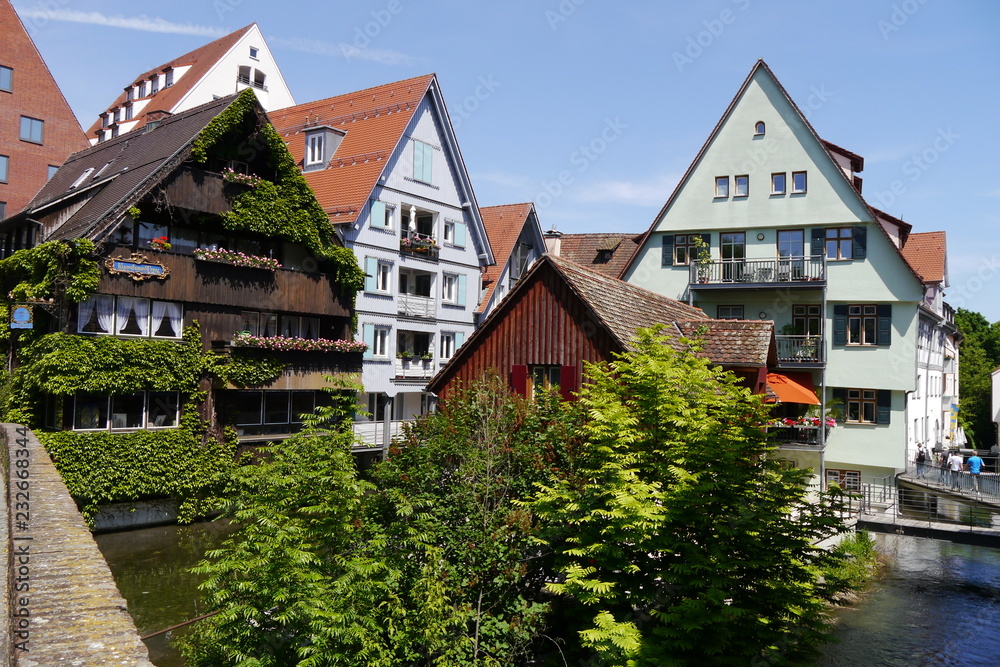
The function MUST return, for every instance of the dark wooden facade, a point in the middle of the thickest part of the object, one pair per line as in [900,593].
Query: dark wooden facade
[543,323]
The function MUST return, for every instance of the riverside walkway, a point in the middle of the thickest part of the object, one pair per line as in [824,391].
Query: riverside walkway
[935,505]
[61,599]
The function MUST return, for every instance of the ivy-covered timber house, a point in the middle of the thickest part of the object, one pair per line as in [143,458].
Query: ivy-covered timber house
[184,266]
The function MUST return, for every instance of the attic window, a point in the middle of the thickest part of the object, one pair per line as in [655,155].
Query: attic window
[321,144]
[253,52]
[142,90]
[168,78]
[101,170]
[154,84]
[82,177]
[758,129]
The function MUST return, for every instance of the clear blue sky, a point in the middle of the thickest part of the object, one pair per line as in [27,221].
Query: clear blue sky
[911,85]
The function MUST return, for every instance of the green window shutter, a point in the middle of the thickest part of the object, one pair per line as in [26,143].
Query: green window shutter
[884,335]
[462,279]
[840,395]
[418,160]
[817,244]
[459,339]
[840,325]
[377,218]
[368,336]
[460,234]
[668,250]
[428,162]
[884,401]
[860,242]
[371,271]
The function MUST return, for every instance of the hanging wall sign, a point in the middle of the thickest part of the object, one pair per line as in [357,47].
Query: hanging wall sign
[137,267]
[21,317]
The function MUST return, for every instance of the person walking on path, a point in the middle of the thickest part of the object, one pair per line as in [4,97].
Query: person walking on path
[955,466]
[921,461]
[975,467]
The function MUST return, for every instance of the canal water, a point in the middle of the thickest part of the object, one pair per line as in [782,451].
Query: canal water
[150,567]
[938,604]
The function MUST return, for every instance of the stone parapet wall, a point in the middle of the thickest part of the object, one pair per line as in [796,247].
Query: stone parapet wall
[62,599]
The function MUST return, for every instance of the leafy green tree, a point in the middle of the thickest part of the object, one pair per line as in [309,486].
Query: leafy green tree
[979,356]
[458,482]
[677,536]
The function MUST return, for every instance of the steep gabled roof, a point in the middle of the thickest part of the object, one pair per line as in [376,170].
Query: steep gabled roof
[828,147]
[201,61]
[504,224]
[605,252]
[373,120]
[857,162]
[124,169]
[927,254]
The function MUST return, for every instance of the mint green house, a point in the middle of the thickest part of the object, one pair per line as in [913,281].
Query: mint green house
[769,223]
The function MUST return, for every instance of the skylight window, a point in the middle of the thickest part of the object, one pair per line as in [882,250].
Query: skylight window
[82,177]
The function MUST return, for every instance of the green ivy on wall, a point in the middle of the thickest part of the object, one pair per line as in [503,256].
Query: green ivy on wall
[251,370]
[285,208]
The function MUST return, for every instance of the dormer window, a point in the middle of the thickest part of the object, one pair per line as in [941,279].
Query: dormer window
[154,84]
[142,90]
[130,93]
[117,113]
[321,144]
[128,112]
[168,78]
[105,120]
[758,128]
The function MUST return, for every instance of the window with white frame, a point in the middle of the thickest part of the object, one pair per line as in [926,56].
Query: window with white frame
[742,186]
[253,52]
[168,78]
[448,236]
[447,345]
[721,186]
[383,277]
[315,143]
[142,90]
[798,182]
[380,342]
[130,316]
[145,409]
[154,84]
[449,287]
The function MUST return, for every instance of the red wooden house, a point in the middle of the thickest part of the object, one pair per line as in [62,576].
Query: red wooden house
[561,315]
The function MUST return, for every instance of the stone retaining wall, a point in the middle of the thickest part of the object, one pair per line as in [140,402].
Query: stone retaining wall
[62,601]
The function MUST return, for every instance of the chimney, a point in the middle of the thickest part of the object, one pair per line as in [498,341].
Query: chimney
[553,241]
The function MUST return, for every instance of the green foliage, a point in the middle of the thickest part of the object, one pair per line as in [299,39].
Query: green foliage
[438,567]
[251,369]
[101,468]
[979,357]
[859,563]
[285,208]
[52,269]
[675,532]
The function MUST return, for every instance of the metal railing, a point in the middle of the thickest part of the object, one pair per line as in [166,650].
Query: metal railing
[759,271]
[985,484]
[244,79]
[419,245]
[413,305]
[798,434]
[799,349]
[414,368]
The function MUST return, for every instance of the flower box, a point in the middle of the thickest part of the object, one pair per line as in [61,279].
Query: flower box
[250,180]
[235,258]
[289,344]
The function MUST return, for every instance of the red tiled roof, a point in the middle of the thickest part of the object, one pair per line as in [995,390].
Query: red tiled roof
[503,227]
[201,61]
[373,119]
[606,253]
[926,253]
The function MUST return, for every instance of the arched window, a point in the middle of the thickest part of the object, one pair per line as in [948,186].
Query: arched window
[758,128]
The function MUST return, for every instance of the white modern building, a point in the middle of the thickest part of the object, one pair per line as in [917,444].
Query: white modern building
[239,60]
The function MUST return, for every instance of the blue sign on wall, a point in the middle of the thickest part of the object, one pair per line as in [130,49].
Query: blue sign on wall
[21,318]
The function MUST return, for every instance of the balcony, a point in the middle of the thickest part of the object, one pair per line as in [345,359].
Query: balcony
[799,272]
[413,305]
[414,368]
[421,246]
[247,81]
[801,351]
[794,435]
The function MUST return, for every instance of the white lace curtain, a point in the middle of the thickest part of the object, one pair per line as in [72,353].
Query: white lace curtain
[105,306]
[172,311]
[129,305]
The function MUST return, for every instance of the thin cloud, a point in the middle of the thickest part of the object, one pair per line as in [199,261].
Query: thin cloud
[36,17]
[344,50]
[503,178]
[652,192]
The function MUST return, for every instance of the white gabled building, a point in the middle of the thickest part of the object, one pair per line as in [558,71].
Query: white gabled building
[239,60]
[517,241]
[385,164]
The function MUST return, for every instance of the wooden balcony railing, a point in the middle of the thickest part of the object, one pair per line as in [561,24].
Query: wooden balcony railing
[759,271]
[799,349]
